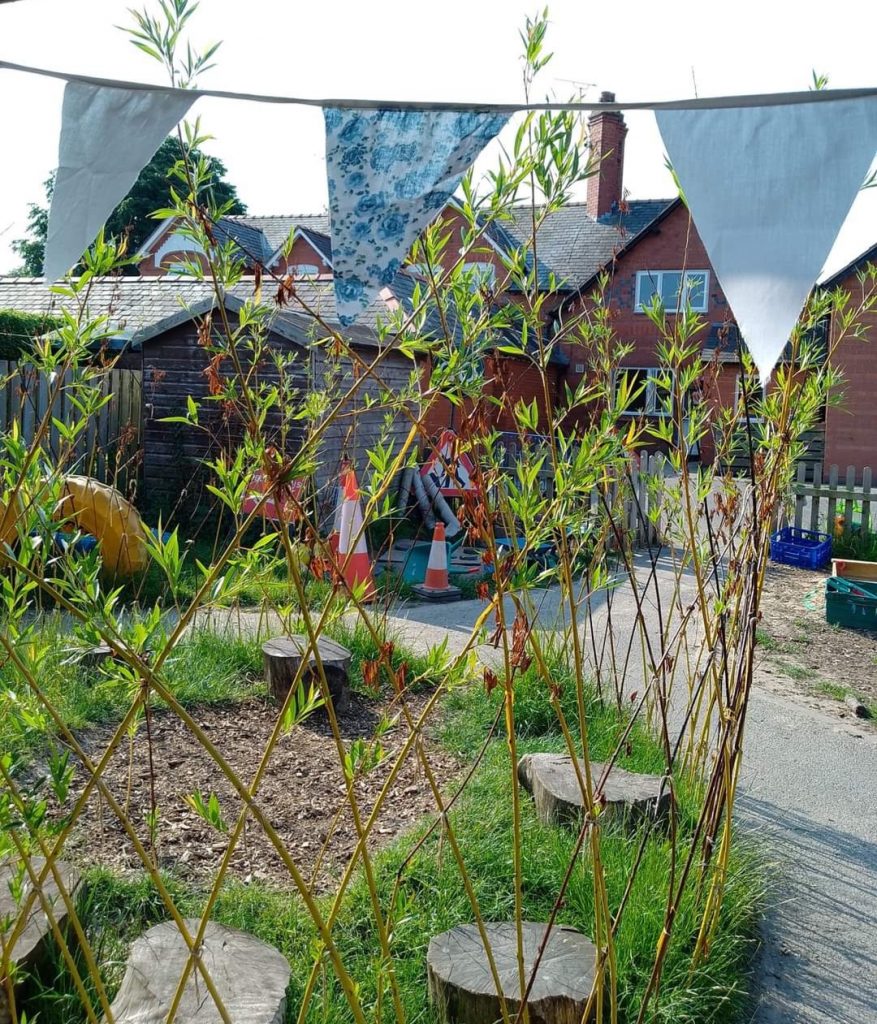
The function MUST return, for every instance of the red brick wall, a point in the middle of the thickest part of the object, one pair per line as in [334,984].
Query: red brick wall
[851,429]
[672,245]
[302,254]
[510,380]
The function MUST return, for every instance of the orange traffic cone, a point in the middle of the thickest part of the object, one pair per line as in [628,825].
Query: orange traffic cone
[336,524]
[436,586]
[353,564]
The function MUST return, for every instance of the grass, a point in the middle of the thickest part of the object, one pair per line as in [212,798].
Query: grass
[796,672]
[205,668]
[858,545]
[116,910]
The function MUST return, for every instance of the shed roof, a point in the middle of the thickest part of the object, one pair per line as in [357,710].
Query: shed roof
[144,307]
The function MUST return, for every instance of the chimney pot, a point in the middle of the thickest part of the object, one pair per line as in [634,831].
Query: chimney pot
[607,97]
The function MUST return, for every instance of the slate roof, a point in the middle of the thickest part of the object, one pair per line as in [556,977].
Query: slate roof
[136,304]
[250,240]
[576,247]
[276,229]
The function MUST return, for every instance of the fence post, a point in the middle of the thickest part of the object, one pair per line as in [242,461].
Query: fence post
[866,504]
[816,497]
[832,499]
[799,495]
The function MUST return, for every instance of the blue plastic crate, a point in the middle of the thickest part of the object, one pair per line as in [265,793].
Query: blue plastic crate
[806,548]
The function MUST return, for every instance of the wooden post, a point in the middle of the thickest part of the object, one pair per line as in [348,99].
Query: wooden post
[866,504]
[832,500]
[462,989]
[31,949]
[250,977]
[282,657]
[816,496]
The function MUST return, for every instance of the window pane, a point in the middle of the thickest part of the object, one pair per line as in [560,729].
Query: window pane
[696,288]
[670,283]
[647,287]
[633,384]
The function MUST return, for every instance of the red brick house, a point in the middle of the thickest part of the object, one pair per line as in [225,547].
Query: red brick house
[851,428]
[645,247]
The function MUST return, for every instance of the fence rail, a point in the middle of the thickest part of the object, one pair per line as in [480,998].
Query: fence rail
[834,506]
[109,446]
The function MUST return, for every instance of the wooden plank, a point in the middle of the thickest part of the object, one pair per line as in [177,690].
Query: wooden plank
[799,498]
[866,504]
[631,510]
[832,499]
[816,497]
[849,504]
[5,371]
[850,569]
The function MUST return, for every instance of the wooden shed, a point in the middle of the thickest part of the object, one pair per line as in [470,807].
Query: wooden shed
[177,366]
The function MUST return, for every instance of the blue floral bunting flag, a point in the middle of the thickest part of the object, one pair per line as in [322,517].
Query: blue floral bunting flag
[390,173]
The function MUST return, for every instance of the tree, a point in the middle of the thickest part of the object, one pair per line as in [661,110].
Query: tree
[132,217]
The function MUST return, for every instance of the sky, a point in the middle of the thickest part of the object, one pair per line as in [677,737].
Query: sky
[453,49]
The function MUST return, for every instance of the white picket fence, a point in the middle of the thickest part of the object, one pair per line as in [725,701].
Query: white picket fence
[834,506]
[109,446]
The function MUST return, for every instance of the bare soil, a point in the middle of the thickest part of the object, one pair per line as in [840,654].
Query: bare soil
[798,649]
[302,792]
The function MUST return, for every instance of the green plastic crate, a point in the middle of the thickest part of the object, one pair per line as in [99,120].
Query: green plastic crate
[850,603]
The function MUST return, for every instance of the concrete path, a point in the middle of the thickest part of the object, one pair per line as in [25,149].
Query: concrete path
[809,791]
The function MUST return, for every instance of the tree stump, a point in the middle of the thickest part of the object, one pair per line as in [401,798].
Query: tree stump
[462,989]
[33,943]
[250,978]
[96,656]
[282,657]
[552,781]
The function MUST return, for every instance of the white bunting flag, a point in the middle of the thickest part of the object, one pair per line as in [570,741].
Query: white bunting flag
[769,189]
[108,136]
[390,173]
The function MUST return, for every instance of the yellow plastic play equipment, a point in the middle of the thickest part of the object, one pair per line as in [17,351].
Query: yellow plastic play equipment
[98,509]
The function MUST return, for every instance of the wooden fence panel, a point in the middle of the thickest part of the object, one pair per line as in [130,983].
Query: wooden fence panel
[836,505]
[107,448]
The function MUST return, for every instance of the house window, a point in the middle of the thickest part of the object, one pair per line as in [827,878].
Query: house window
[304,270]
[643,390]
[674,288]
[481,275]
[754,395]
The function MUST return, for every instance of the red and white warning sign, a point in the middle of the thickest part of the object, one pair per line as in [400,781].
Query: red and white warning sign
[292,495]
[451,471]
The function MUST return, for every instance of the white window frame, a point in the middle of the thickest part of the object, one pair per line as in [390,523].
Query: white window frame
[303,270]
[653,401]
[738,398]
[483,273]
[656,277]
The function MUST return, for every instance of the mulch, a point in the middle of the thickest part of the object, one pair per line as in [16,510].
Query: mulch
[301,792]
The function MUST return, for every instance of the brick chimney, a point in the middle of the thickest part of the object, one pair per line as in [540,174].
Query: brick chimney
[607,130]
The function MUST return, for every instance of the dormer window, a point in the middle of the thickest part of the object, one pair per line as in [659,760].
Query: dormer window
[304,270]
[674,288]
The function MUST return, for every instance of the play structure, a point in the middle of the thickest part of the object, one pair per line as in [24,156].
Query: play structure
[90,514]
[99,511]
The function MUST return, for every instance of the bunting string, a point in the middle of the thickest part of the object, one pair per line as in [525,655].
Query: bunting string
[779,99]
[768,179]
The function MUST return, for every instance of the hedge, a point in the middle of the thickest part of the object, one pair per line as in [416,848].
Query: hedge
[17,331]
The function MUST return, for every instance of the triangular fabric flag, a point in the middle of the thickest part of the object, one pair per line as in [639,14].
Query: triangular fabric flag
[108,136]
[390,173]
[769,189]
